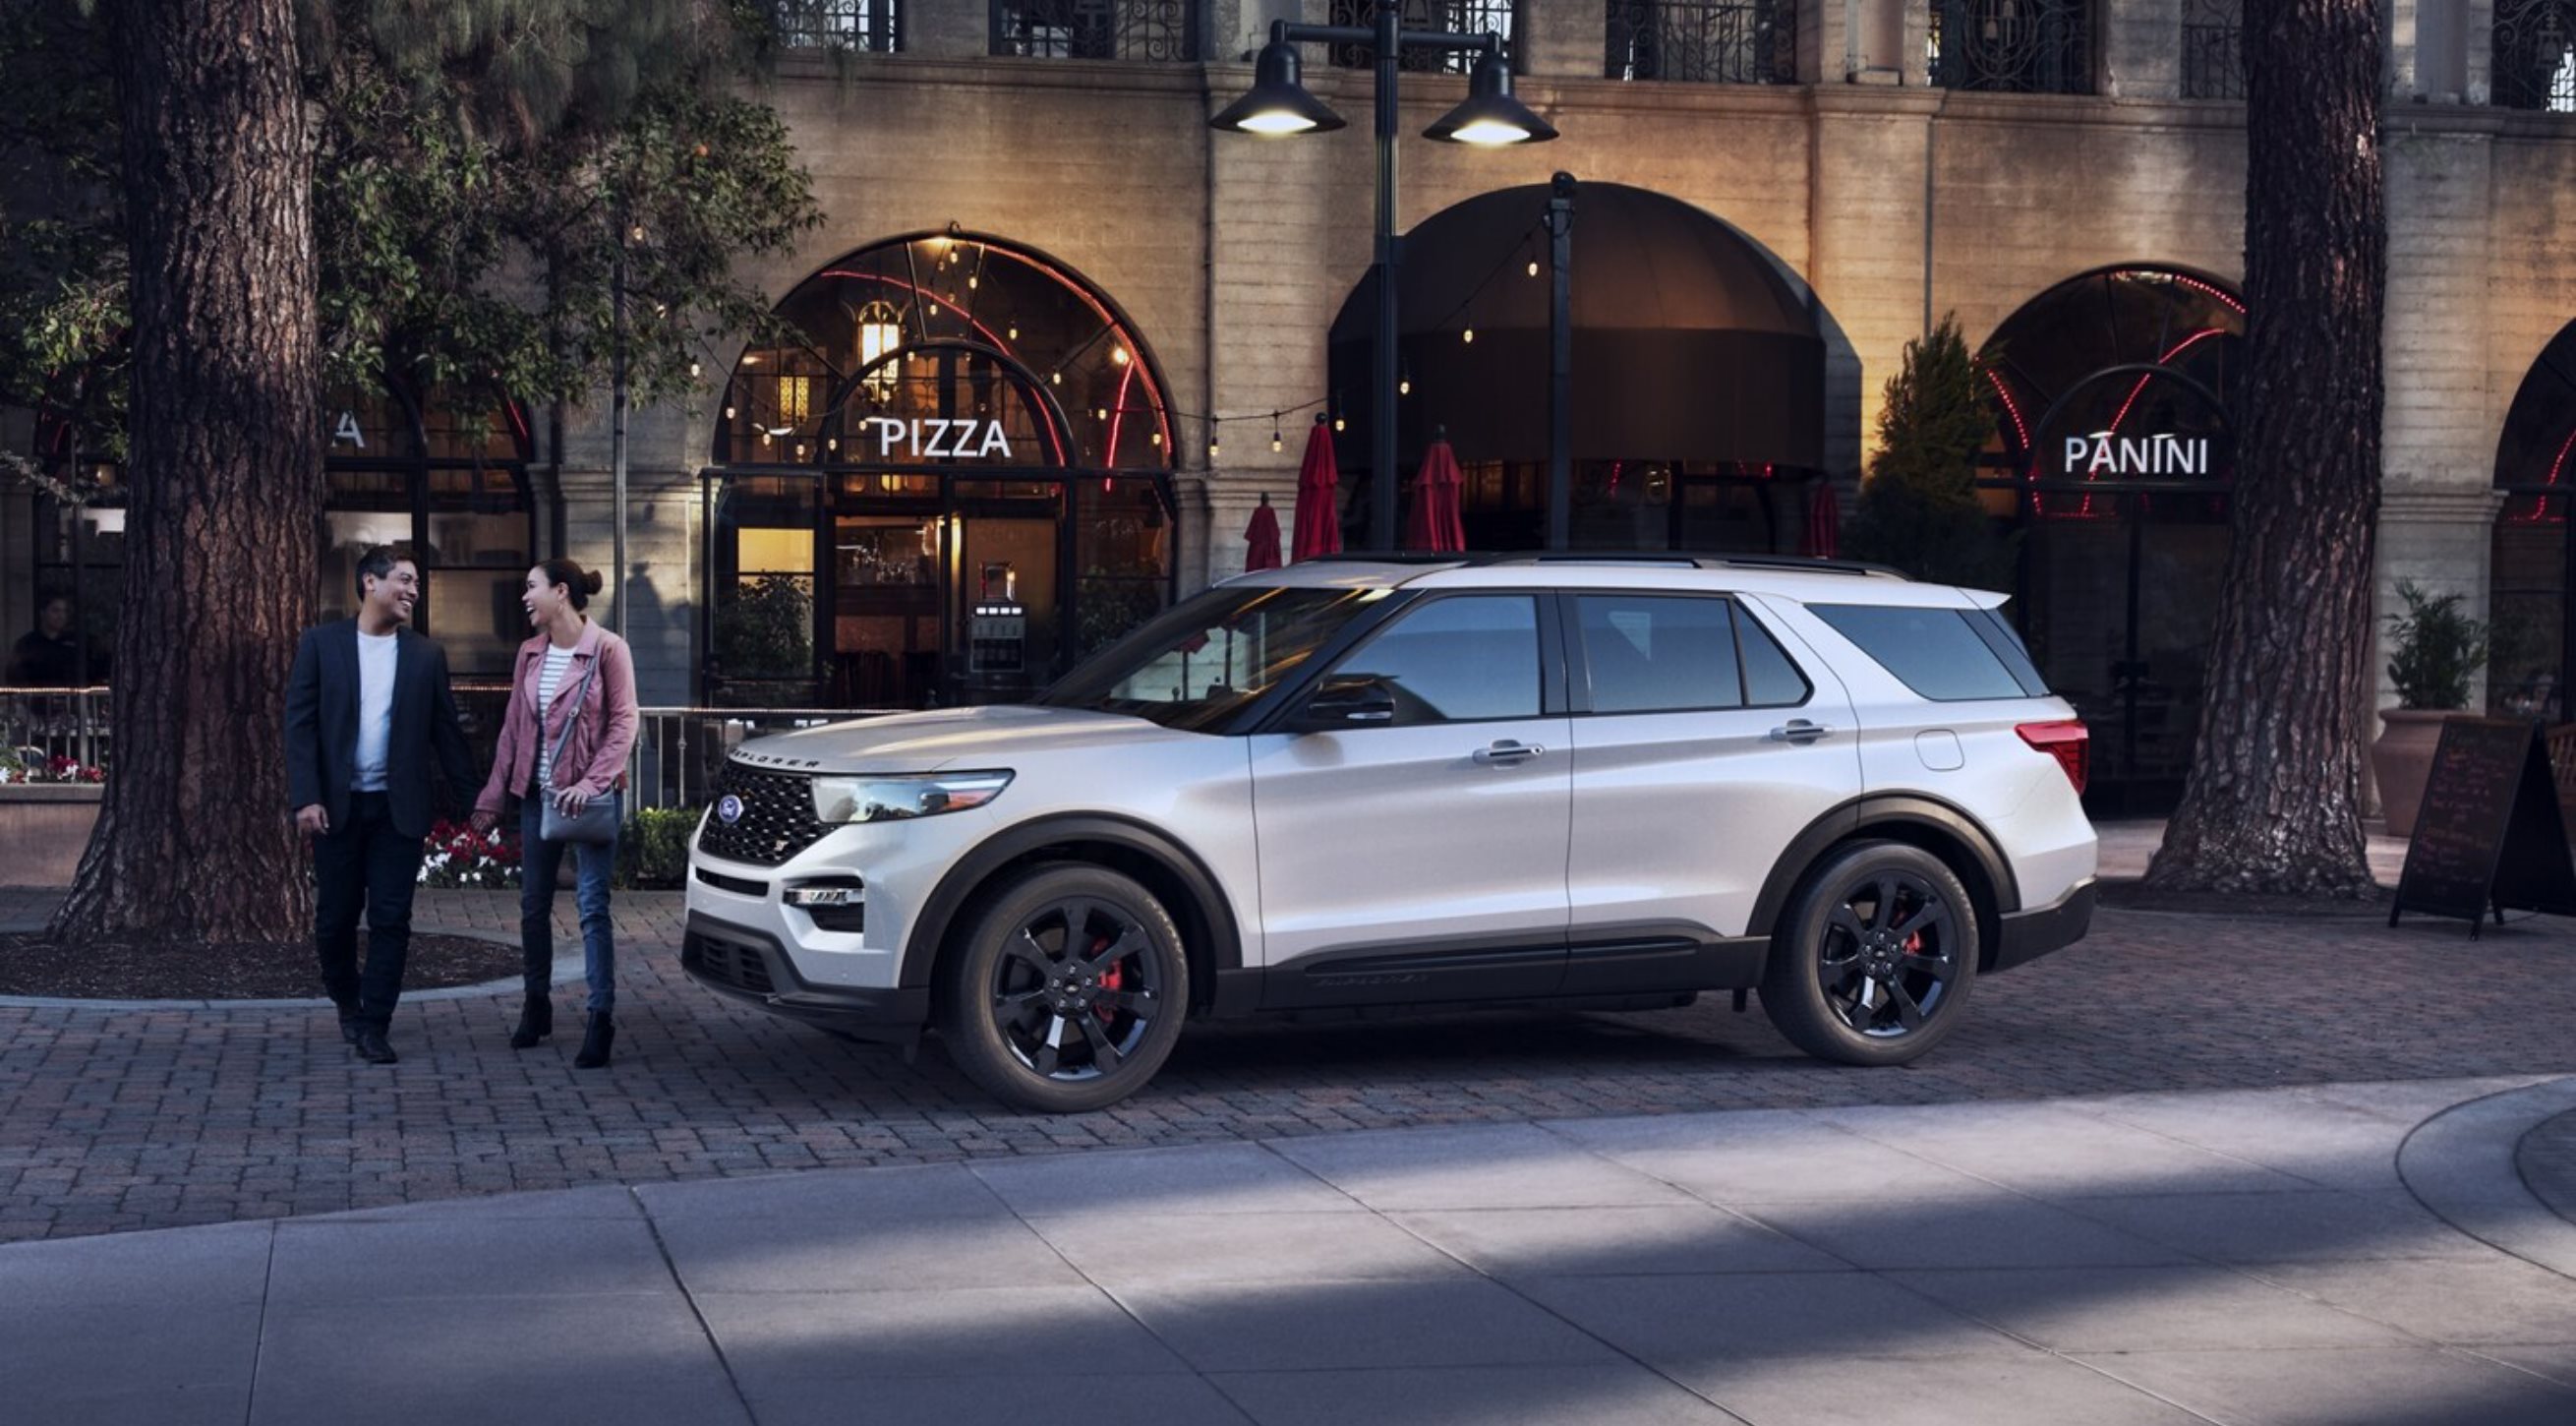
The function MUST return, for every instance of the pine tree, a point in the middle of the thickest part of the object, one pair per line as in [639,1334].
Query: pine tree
[1919,510]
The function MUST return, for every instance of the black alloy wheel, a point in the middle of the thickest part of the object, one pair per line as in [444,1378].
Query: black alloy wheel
[1069,991]
[1874,956]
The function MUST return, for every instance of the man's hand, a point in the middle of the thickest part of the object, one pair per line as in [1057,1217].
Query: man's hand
[483,822]
[571,800]
[312,821]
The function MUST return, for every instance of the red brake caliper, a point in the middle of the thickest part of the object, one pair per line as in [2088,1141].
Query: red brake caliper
[1110,979]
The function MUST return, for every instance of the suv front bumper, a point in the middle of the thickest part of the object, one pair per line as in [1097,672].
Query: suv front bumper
[751,966]
[2028,935]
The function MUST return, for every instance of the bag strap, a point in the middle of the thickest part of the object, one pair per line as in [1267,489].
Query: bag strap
[565,740]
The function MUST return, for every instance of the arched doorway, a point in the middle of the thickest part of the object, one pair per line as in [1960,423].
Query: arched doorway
[945,481]
[2534,552]
[2112,455]
[1698,376]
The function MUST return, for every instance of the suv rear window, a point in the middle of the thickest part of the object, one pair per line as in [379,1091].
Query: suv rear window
[1948,655]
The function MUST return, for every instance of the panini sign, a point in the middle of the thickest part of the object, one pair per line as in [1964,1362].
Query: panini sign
[2102,454]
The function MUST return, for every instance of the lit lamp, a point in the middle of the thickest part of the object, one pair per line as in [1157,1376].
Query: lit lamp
[880,332]
[1278,105]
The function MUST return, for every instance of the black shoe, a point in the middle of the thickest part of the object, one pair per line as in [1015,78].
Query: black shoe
[373,1047]
[349,1031]
[595,1042]
[536,1021]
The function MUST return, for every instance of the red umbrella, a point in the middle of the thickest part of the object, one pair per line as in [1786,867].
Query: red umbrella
[1824,522]
[1433,524]
[1261,538]
[1319,516]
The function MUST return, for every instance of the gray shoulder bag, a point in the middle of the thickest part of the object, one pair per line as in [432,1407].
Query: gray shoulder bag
[596,824]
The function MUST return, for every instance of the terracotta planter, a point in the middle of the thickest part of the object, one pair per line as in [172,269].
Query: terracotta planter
[2402,759]
[44,828]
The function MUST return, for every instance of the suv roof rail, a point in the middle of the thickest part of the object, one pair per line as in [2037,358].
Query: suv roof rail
[1682,559]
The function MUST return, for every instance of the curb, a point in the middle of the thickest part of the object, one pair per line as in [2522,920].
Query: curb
[2460,1164]
[568,968]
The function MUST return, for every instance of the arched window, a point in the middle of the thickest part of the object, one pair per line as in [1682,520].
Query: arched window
[2534,56]
[945,480]
[2112,450]
[2012,46]
[2534,544]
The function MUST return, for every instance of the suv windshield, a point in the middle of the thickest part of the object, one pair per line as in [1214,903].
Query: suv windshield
[1203,658]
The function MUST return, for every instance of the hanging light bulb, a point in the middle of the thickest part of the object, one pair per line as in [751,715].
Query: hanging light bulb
[1533,267]
[1118,355]
[693,369]
[1056,377]
[728,413]
[1212,448]
[1471,334]
[934,309]
[972,283]
[1277,442]
[1338,425]
[1015,332]
[800,450]
[764,438]
[1158,440]
[833,444]
[1100,413]
[1404,383]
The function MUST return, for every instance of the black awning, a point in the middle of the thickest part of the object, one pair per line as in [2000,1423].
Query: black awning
[1688,343]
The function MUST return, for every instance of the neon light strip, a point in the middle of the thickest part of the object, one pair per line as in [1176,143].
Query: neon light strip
[2184,345]
[1118,412]
[2195,284]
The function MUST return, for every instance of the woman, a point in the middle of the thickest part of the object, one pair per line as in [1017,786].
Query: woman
[573,689]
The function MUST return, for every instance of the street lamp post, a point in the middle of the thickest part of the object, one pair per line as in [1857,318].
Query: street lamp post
[1278,105]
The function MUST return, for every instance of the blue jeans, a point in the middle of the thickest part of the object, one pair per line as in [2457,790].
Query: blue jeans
[540,866]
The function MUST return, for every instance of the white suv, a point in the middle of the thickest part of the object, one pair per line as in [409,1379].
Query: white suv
[1589,782]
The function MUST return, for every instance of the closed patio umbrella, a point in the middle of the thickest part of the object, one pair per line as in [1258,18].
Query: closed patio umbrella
[1824,522]
[1434,524]
[1319,516]
[1261,538]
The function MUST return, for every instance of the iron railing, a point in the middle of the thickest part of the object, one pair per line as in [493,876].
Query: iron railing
[680,752]
[42,725]
[2213,49]
[1463,17]
[1155,31]
[1703,41]
[873,26]
[2012,46]
[2535,55]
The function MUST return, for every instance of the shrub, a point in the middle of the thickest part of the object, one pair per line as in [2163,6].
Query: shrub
[653,853]
[2434,649]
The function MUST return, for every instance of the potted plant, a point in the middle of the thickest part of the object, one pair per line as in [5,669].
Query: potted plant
[2434,651]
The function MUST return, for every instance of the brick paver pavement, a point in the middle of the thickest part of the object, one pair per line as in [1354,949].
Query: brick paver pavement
[2547,1159]
[123,1119]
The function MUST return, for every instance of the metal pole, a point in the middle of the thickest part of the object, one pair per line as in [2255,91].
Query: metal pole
[1560,361]
[1382,418]
[617,430]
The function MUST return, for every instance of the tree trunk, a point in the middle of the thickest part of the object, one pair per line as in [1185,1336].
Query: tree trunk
[225,477]
[2274,798]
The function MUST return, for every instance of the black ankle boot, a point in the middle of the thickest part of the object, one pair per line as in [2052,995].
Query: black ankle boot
[595,1041]
[536,1021]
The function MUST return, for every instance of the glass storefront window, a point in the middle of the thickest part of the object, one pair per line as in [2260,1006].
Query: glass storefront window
[1122,560]
[762,649]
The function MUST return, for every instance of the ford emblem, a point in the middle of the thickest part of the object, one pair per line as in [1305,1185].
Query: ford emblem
[729,810]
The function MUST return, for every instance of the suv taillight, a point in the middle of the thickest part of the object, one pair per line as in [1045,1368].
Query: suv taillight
[2065,741]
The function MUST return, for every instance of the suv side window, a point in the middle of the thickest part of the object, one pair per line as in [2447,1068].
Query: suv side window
[1647,653]
[1650,654]
[1946,655]
[1465,659]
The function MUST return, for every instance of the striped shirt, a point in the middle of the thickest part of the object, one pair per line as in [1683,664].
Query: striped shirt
[549,678]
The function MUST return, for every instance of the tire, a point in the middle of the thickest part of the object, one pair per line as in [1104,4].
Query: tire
[1039,1028]
[1874,957]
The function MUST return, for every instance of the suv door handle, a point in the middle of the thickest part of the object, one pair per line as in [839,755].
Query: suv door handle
[1799,731]
[1508,753]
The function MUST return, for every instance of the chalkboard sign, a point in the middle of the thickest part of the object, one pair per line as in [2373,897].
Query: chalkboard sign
[2489,834]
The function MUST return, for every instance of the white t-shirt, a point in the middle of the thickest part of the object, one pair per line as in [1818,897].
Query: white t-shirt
[375,708]
[550,679]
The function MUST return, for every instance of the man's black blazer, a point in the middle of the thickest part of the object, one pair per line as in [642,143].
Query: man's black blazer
[322,728]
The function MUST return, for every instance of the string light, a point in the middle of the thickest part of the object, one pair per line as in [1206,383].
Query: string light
[1212,448]
[1404,383]
[1471,334]
[1056,378]
[1277,441]
[1158,438]
[1015,332]
[1338,424]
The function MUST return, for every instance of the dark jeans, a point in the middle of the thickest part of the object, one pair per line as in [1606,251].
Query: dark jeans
[364,865]
[540,867]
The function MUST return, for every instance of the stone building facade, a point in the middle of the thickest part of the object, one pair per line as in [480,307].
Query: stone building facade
[1887,177]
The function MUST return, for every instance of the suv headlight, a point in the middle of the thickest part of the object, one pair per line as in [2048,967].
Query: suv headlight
[888,799]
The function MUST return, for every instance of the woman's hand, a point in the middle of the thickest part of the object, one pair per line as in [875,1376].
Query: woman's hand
[483,822]
[571,800]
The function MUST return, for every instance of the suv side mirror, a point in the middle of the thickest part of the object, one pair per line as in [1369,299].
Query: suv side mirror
[1351,701]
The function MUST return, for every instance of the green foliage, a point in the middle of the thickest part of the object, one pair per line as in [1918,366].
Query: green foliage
[481,168]
[1919,509]
[2434,649]
[767,630]
[653,852]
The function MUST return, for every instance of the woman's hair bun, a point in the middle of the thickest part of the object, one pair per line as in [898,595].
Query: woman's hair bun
[591,583]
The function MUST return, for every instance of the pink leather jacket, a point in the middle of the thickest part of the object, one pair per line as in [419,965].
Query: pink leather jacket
[600,739]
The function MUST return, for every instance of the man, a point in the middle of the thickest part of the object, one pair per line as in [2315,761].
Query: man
[367,709]
[47,656]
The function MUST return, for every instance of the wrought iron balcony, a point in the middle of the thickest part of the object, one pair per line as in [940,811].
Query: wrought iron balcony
[1464,17]
[1703,41]
[2012,46]
[2535,55]
[1154,31]
[868,25]
[2213,49]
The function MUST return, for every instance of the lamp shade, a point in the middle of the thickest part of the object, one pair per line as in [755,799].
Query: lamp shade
[1277,103]
[1490,116]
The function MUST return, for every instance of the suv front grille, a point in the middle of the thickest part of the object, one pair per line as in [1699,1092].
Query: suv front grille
[777,818]
[729,963]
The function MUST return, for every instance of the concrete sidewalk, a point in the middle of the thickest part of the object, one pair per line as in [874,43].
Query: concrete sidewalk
[2255,1256]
